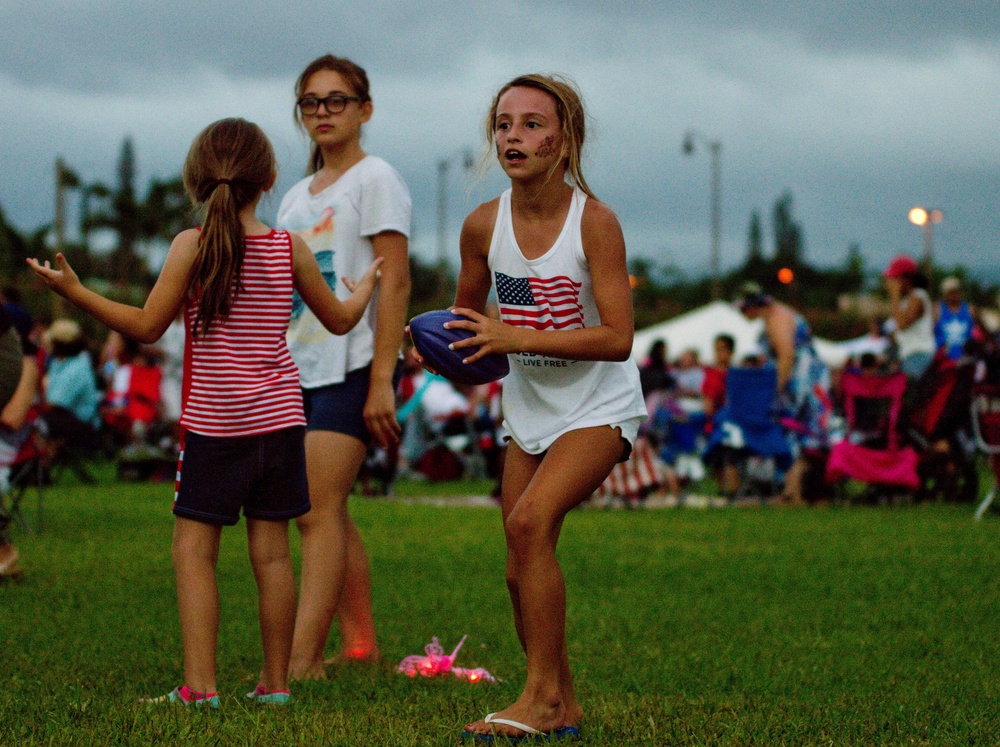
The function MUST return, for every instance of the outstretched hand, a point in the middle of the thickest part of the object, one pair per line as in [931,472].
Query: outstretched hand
[371,277]
[61,278]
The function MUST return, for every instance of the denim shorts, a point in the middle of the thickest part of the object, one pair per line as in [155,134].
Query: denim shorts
[340,408]
[265,475]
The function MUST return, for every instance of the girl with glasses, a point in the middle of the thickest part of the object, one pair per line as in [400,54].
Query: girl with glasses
[350,209]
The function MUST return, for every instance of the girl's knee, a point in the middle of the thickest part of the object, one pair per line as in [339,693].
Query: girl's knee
[526,532]
[263,554]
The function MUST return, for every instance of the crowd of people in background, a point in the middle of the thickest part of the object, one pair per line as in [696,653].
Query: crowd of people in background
[687,401]
[121,399]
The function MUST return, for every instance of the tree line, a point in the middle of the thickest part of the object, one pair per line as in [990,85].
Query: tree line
[136,224]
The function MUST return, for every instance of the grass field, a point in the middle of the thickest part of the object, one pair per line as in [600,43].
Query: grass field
[757,626]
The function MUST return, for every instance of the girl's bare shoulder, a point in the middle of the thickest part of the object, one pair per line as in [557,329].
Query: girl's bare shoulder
[601,232]
[478,226]
[598,216]
[185,244]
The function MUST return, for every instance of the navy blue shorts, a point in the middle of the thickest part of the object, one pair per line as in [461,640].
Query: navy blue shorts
[265,475]
[340,408]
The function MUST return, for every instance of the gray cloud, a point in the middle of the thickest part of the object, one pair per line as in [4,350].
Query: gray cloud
[860,110]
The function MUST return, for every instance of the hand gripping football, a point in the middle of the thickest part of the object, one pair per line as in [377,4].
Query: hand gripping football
[431,340]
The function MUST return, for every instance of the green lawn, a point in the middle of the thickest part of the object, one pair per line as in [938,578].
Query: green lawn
[756,626]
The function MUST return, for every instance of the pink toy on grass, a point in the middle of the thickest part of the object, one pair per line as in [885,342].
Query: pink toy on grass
[434,663]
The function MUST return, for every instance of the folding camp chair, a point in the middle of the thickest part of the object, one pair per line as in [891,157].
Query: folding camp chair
[749,432]
[986,431]
[871,452]
[21,468]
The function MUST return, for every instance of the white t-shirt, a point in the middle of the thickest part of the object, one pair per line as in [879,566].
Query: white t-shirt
[338,224]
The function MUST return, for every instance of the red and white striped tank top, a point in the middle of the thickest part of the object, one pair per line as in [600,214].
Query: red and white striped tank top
[239,379]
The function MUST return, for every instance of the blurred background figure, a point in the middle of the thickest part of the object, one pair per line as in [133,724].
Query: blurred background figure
[688,374]
[803,380]
[131,407]
[955,321]
[20,379]
[912,315]
[713,387]
[171,347]
[654,374]
[70,411]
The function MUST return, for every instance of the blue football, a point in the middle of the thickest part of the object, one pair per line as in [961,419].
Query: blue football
[431,340]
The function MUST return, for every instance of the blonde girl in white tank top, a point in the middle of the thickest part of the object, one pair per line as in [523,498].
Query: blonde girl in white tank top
[580,374]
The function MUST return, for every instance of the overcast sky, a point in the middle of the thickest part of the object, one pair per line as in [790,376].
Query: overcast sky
[861,110]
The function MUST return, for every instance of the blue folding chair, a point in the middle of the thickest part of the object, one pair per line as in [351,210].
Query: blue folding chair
[749,433]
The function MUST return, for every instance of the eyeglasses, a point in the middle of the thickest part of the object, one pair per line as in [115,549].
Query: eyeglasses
[335,103]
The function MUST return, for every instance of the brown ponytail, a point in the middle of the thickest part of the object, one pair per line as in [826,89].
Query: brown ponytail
[228,166]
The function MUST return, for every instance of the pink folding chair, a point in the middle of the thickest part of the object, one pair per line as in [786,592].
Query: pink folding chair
[871,452]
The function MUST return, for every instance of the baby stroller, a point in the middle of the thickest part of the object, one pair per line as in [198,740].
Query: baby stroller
[871,452]
[748,435]
[939,426]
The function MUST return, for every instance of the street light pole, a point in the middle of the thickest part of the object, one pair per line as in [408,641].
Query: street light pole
[442,207]
[442,232]
[715,211]
[715,147]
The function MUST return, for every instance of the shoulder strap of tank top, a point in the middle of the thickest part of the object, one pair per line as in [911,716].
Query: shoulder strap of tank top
[500,224]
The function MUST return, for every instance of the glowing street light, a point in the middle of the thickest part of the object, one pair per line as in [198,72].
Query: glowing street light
[715,149]
[926,218]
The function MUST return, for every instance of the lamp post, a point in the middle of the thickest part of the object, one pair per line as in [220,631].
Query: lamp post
[715,193]
[442,206]
[926,218]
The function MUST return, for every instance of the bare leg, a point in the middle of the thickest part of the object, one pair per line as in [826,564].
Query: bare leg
[793,482]
[195,554]
[354,613]
[332,463]
[537,496]
[272,570]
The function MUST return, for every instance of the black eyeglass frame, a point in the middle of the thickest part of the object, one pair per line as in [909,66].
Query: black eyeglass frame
[335,103]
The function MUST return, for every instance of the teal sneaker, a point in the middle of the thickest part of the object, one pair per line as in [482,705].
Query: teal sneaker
[270,697]
[185,696]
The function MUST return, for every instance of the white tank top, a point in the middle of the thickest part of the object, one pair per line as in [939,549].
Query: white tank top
[919,336]
[545,397]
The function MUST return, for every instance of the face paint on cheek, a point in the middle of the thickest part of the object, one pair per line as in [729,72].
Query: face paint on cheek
[547,148]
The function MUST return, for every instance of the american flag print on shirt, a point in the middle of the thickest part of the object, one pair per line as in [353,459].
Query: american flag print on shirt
[540,303]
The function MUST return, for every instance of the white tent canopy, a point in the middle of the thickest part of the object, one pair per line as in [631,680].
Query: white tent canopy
[697,329]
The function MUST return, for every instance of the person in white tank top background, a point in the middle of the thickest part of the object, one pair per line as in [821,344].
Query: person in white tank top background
[912,313]
[556,257]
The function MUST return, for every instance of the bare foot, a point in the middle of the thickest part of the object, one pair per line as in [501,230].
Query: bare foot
[314,671]
[355,656]
[8,561]
[574,715]
[539,716]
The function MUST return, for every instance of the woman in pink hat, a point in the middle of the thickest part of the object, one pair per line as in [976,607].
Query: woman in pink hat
[912,314]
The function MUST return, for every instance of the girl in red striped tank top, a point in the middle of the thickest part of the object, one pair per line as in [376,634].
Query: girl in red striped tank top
[242,414]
